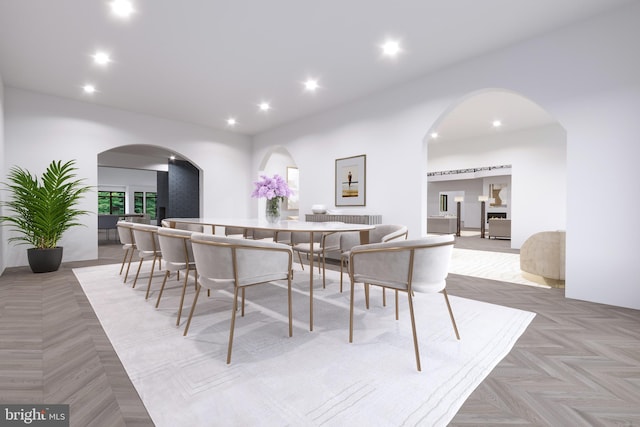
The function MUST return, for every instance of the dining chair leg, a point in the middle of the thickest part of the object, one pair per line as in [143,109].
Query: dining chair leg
[164,282]
[351,311]
[300,258]
[128,265]
[324,271]
[124,259]
[153,264]
[184,291]
[242,302]
[193,307]
[137,273]
[233,322]
[366,295]
[290,306]
[453,321]
[384,297]
[413,328]
[397,315]
[341,268]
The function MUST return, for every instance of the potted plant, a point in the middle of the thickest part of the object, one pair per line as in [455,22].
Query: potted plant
[43,209]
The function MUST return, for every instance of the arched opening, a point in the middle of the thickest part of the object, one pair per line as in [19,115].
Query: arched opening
[147,180]
[279,161]
[519,164]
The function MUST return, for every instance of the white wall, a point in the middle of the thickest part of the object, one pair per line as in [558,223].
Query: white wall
[122,177]
[587,76]
[132,161]
[41,128]
[538,196]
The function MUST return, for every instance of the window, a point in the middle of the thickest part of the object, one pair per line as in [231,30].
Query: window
[138,202]
[150,205]
[145,203]
[111,202]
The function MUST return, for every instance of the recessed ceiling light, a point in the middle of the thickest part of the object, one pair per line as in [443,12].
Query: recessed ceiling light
[121,8]
[264,106]
[311,85]
[101,58]
[89,88]
[496,123]
[390,48]
[434,135]
[172,157]
[231,121]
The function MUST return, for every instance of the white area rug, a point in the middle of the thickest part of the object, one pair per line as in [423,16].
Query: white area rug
[311,379]
[501,266]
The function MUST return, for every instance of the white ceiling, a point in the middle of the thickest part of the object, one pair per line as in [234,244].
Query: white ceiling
[201,61]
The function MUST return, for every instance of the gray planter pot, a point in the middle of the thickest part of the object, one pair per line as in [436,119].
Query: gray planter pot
[44,260]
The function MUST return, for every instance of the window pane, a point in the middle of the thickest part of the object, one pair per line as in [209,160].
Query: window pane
[151,205]
[138,202]
[104,202]
[111,202]
[117,202]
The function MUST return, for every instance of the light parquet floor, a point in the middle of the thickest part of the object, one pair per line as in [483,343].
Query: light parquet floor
[578,363]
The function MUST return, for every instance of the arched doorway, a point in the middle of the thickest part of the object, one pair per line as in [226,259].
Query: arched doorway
[149,179]
[279,161]
[523,158]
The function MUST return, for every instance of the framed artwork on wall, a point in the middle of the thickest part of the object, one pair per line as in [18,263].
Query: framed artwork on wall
[293,181]
[351,181]
[444,205]
[498,195]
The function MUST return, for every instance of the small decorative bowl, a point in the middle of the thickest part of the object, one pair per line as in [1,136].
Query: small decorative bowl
[318,209]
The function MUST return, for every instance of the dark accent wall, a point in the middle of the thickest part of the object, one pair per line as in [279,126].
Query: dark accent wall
[162,195]
[183,190]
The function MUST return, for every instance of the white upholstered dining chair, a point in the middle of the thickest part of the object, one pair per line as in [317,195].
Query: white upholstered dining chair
[125,233]
[322,243]
[194,228]
[177,255]
[419,265]
[146,237]
[380,234]
[224,262]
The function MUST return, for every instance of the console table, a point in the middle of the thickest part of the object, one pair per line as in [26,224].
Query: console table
[349,219]
[441,224]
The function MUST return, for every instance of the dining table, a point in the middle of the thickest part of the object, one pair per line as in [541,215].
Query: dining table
[313,228]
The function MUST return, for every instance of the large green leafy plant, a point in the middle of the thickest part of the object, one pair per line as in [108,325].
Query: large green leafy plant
[43,208]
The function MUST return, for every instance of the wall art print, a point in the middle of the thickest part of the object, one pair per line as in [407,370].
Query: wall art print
[498,195]
[350,181]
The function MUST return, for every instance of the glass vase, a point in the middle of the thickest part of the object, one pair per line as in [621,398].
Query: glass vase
[272,210]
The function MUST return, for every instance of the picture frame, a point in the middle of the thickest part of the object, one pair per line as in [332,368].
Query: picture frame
[444,203]
[498,194]
[351,181]
[293,181]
